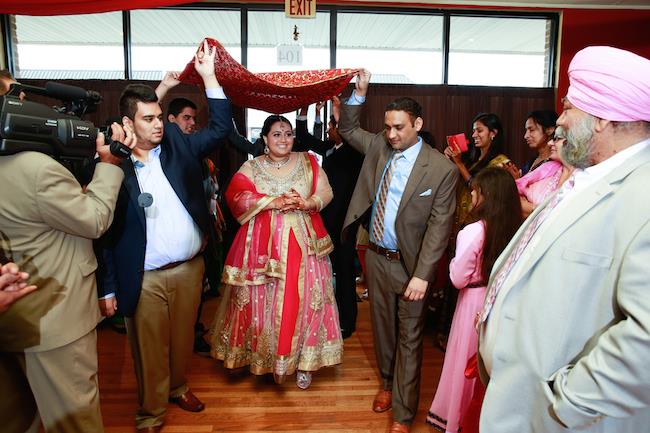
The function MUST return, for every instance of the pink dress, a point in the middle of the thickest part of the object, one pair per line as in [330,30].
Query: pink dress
[538,184]
[454,390]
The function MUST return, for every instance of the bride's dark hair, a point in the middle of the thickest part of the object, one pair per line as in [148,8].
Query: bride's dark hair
[268,123]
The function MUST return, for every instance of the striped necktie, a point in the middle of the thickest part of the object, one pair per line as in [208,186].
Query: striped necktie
[519,248]
[380,204]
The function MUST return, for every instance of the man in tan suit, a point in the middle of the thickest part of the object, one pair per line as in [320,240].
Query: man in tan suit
[408,191]
[48,354]
[565,334]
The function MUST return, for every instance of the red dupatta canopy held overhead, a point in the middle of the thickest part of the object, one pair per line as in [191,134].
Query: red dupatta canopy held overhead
[273,92]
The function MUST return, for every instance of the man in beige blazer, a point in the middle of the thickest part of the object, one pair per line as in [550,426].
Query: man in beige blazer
[407,189]
[48,354]
[565,337]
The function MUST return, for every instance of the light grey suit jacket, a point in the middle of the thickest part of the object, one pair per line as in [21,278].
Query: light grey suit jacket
[47,225]
[573,337]
[428,202]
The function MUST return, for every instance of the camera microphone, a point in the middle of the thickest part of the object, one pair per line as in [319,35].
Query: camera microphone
[67,92]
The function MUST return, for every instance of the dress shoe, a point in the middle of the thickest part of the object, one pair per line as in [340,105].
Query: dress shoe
[188,402]
[303,379]
[154,429]
[383,401]
[398,427]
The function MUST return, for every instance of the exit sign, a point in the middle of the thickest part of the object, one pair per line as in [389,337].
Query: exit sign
[300,8]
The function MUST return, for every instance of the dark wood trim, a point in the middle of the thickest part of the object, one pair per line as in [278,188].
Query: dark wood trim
[126,38]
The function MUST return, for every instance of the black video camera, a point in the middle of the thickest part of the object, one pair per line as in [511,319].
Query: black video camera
[26,125]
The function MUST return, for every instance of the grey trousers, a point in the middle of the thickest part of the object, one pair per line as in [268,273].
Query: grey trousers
[397,327]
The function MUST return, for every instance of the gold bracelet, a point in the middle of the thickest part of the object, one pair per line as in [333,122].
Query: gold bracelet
[318,202]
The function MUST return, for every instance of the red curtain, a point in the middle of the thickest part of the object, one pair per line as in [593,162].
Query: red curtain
[73,7]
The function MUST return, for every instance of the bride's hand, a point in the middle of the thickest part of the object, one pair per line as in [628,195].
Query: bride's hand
[292,201]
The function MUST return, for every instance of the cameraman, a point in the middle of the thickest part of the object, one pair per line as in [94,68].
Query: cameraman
[48,353]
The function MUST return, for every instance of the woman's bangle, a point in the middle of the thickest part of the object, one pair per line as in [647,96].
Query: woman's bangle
[318,202]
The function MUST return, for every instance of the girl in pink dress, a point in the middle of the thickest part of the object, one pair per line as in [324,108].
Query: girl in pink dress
[495,202]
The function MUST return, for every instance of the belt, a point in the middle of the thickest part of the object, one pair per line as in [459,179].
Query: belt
[171,265]
[389,254]
[174,264]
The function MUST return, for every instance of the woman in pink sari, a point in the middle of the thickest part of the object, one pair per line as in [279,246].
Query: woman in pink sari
[278,313]
[535,186]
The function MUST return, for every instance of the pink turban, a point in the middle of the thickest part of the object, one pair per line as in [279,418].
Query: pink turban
[611,84]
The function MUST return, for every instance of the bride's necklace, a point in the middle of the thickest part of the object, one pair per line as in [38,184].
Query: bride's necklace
[276,164]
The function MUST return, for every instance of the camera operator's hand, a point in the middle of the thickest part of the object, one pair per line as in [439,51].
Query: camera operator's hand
[13,285]
[169,81]
[108,306]
[204,65]
[123,134]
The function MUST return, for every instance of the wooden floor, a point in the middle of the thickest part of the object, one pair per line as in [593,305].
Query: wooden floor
[339,399]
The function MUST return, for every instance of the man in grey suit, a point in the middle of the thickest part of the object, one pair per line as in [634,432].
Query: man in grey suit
[48,344]
[407,189]
[565,332]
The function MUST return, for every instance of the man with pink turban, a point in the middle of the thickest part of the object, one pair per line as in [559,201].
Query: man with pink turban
[565,330]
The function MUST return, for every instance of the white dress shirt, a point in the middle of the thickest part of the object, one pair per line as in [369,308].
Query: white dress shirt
[172,234]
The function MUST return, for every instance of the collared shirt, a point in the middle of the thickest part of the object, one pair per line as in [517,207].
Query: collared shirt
[582,180]
[215,93]
[172,234]
[212,93]
[355,99]
[403,162]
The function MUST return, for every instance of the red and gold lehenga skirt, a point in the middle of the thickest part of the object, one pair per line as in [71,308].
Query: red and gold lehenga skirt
[278,313]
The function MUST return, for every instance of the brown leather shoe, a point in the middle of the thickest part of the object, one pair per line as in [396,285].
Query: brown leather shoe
[154,429]
[398,427]
[383,401]
[188,402]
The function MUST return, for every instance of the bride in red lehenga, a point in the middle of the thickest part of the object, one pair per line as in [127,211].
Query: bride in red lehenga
[278,313]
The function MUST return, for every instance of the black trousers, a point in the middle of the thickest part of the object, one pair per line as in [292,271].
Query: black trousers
[346,297]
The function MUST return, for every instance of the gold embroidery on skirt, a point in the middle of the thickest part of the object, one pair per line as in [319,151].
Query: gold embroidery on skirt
[314,357]
[316,291]
[233,276]
[329,294]
[242,296]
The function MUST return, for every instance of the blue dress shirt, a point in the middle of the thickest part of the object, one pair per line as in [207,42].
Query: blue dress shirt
[402,167]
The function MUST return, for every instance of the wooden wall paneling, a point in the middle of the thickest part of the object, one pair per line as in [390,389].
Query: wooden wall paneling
[446,109]
[449,110]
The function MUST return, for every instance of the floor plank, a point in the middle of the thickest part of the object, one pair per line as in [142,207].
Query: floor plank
[339,399]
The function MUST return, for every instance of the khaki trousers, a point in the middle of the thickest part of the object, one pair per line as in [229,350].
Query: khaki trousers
[161,334]
[397,328]
[57,387]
